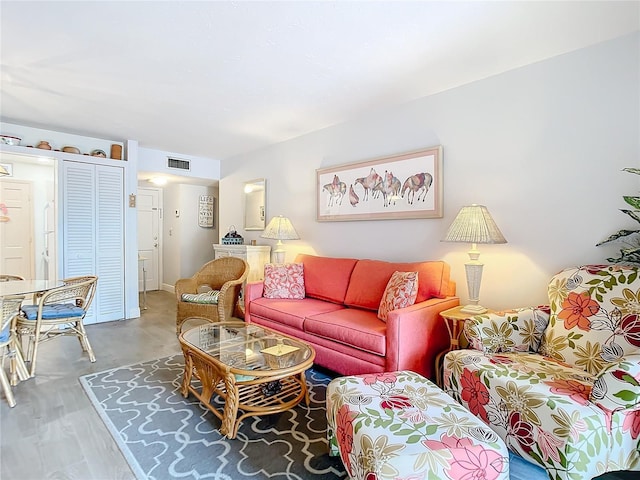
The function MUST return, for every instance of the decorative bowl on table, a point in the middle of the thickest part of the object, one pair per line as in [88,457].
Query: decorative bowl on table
[9,140]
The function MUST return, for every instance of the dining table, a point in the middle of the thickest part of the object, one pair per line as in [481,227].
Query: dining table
[28,287]
[18,370]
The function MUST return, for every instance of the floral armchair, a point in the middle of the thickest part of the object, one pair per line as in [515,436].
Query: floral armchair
[560,383]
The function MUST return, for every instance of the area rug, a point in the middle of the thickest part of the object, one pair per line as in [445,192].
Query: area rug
[165,436]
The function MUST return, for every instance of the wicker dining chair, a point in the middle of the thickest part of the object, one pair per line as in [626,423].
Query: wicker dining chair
[59,312]
[9,308]
[196,296]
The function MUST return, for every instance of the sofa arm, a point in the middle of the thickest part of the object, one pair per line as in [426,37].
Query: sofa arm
[252,291]
[617,387]
[416,334]
[518,330]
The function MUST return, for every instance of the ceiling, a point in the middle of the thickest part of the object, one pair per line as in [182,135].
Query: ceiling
[217,79]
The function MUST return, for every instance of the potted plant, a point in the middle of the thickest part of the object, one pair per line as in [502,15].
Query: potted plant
[630,252]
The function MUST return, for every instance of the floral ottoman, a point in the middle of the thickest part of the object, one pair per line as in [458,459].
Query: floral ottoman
[400,426]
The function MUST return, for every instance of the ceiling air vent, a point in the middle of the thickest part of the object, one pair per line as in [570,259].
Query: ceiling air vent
[179,164]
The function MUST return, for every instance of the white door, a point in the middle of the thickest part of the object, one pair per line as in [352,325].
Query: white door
[93,233]
[149,237]
[16,229]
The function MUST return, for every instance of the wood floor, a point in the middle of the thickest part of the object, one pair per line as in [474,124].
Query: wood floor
[53,432]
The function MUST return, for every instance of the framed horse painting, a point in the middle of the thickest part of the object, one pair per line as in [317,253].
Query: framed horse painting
[407,185]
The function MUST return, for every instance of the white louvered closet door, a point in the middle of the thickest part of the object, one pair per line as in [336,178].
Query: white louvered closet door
[93,230]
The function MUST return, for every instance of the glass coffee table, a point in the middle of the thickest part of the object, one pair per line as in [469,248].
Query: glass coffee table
[252,368]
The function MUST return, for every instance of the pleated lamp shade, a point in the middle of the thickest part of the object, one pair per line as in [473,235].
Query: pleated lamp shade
[474,224]
[280,228]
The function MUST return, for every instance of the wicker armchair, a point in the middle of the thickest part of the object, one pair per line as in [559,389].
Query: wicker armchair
[225,275]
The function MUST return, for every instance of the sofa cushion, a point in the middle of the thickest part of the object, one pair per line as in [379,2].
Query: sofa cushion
[618,386]
[358,328]
[370,278]
[594,319]
[284,280]
[290,312]
[327,278]
[401,292]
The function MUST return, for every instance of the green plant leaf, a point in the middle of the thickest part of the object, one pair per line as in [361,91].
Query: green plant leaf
[632,213]
[630,255]
[633,201]
[617,235]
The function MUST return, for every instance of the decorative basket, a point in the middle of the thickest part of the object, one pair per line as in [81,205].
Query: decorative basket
[232,237]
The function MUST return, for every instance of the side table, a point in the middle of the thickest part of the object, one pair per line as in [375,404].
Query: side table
[454,319]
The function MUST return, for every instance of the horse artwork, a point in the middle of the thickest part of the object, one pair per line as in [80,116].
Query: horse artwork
[374,195]
[418,183]
[370,182]
[336,190]
[390,188]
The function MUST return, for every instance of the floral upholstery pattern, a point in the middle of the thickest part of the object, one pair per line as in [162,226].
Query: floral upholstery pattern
[284,280]
[560,384]
[400,426]
[517,330]
[400,292]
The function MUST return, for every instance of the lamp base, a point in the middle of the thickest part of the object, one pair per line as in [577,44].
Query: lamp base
[473,309]
[278,256]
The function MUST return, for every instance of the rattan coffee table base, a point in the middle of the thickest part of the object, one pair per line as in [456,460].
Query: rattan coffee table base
[246,396]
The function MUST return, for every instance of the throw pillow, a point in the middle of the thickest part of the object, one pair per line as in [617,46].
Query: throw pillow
[284,280]
[210,297]
[401,291]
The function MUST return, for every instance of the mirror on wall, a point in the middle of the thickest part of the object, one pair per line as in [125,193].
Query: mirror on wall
[255,204]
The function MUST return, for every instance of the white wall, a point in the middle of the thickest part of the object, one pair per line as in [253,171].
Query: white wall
[187,246]
[541,146]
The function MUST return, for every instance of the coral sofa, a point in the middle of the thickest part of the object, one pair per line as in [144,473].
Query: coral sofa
[337,313]
[560,383]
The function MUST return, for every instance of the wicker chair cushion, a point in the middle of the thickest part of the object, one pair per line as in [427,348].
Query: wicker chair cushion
[205,297]
[4,335]
[57,310]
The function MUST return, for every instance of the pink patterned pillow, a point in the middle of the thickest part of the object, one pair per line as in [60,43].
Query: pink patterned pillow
[401,292]
[284,280]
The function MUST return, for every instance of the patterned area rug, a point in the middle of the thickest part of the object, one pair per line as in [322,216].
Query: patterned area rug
[166,436]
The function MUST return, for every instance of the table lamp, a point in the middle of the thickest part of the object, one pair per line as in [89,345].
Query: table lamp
[474,225]
[280,228]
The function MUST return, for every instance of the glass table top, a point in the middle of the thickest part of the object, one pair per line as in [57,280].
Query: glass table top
[247,346]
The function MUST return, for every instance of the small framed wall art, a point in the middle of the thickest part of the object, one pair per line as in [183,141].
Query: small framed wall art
[407,185]
[205,211]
